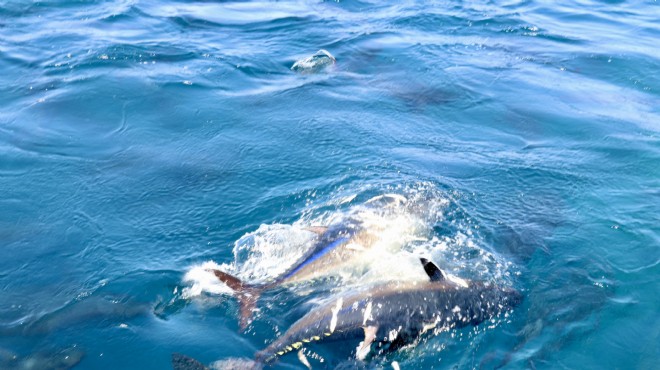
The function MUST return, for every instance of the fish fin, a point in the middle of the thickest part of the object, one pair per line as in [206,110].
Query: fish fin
[247,295]
[183,362]
[433,271]
[231,281]
[247,299]
[303,359]
[365,346]
[319,230]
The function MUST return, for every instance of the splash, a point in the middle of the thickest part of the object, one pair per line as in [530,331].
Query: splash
[202,280]
[404,222]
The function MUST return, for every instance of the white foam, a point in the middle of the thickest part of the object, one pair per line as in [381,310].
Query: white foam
[386,220]
[269,251]
[204,281]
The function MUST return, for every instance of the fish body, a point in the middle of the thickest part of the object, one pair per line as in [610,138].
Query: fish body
[394,313]
[335,246]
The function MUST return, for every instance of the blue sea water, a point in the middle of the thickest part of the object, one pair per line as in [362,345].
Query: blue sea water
[140,140]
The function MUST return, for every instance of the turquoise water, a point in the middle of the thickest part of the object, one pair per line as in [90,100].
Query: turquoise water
[140,140]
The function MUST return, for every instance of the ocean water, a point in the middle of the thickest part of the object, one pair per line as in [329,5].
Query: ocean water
[142,142]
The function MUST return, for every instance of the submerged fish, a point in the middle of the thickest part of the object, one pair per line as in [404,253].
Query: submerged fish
[63,359]
[391,315]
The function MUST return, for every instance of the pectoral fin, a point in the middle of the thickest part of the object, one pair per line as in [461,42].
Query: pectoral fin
[303,359]
[365,346]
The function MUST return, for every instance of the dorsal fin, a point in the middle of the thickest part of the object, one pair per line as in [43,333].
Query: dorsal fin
[433,271]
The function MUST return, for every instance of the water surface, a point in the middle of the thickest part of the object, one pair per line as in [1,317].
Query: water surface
[142,139]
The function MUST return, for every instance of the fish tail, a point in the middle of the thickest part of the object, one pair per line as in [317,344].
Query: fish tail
[247,295]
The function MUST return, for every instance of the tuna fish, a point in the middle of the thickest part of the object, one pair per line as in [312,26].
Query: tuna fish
[387,316]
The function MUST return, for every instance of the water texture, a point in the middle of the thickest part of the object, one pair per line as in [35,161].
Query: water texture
[143,140]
